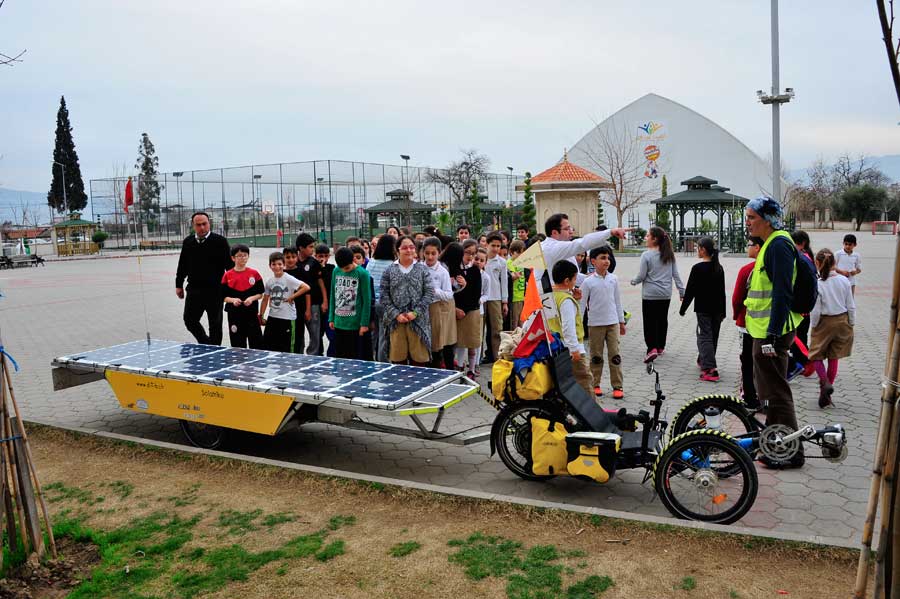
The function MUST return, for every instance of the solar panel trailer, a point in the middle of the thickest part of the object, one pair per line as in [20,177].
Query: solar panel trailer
[212,389]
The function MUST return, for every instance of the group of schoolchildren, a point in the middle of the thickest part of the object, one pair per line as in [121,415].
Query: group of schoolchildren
[422,299]
[428,300]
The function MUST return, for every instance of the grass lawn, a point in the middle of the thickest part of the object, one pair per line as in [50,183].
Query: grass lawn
[171,525]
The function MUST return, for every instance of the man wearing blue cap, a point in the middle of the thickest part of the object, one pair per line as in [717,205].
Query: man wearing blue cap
[770,320]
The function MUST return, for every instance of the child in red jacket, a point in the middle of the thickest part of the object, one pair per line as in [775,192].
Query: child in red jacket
[741,285]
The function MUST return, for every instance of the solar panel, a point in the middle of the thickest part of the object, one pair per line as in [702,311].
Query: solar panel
[333,381]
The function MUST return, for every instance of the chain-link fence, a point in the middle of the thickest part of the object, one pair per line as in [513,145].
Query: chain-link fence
[326,198]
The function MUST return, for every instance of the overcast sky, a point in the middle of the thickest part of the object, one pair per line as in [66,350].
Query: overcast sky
[232,83]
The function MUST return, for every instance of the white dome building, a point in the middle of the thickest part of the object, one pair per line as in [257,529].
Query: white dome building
[661,137]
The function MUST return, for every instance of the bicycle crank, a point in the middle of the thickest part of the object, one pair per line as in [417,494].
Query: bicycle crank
[779,442]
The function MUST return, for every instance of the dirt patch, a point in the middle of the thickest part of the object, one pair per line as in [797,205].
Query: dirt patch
[54,578]
[219,528]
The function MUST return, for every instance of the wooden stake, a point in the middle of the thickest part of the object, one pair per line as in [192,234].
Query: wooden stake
[15,495]
[28,458]
[887,423]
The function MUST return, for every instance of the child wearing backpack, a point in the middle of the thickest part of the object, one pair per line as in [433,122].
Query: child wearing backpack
[831,324]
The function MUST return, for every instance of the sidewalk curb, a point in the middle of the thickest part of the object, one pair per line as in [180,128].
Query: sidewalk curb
[471,494]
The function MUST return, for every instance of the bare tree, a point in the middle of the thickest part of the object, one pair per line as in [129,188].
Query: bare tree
[6,59]
[616,154]
[458,175]
[850,172]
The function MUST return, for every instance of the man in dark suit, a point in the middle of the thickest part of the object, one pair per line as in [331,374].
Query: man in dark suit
[205,257]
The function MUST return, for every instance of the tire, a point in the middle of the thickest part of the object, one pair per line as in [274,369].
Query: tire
[511,435]
[736,420]
[705,475]
[205,436]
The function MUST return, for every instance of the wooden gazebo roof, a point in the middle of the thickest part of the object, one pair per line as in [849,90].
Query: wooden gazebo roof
[399,205]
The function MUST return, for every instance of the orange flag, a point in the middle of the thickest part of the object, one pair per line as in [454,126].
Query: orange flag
[532,297]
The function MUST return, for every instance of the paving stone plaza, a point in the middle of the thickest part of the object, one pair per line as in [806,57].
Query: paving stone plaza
[67,307]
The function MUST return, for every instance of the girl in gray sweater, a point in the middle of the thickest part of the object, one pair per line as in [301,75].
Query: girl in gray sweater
[406,295]
[657,272]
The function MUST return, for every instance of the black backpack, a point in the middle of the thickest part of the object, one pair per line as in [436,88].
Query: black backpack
[806,286]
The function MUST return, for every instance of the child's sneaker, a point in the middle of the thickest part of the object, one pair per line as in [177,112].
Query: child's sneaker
[711,375]
[618,394]
[651,355]
[798,368]
[598,391]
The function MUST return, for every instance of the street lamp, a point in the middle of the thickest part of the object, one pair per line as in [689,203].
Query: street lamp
[776,99]
[405,158]
[257,203]
[65,201]
[318,183]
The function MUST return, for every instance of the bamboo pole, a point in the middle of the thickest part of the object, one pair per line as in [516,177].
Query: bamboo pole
[889,397]
[13,479]
[883,578]
[28,459]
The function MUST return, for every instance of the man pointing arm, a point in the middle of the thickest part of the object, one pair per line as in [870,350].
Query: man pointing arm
[559,244]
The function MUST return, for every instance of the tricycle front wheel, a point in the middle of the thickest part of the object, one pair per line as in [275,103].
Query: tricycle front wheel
[705,475]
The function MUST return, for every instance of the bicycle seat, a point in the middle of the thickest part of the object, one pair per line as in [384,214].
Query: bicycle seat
[580,400]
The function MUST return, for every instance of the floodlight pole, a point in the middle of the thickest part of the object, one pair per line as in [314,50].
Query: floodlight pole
[776,98]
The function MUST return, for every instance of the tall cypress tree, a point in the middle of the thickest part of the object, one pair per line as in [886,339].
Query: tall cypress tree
[74,198]
[528,206]
[148,180]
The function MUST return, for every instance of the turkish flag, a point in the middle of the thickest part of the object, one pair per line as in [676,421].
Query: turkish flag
[129,195]
[535,334]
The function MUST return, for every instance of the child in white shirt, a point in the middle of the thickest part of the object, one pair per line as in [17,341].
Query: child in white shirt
[848,262]
[601,301]
[831,324]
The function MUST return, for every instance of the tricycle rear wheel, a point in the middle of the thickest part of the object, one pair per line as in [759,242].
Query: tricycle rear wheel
[511,435]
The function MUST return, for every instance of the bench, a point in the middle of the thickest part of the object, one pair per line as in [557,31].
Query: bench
[24,260]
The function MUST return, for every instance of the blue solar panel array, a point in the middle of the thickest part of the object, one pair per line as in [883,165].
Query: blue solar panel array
[308,378]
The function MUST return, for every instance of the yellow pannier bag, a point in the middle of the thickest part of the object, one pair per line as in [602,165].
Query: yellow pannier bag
[500,373]
[548,447]
[538,382]
[595,455]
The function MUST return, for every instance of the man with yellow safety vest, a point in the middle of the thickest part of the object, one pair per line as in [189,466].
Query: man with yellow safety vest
[770,320]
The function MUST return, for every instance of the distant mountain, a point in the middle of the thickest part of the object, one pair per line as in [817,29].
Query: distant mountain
[11,201]
[889,165]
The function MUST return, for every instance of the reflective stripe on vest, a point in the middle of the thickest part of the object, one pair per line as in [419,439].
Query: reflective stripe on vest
[759,296]
[555,326]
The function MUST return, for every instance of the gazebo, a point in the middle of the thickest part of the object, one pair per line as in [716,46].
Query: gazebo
[490,213]
[401,210]
[73,236]
[704,195]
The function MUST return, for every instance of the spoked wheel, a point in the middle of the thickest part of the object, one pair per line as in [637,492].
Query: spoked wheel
[511,435]
[704,475]
[205,436]
[718,412]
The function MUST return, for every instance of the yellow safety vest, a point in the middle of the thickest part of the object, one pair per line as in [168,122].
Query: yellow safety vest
[555,325]
[759,296]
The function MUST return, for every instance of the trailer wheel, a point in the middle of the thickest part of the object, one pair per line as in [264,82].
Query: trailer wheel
[205,436]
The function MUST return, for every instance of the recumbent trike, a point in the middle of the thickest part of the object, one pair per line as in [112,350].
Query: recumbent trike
[700,473]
